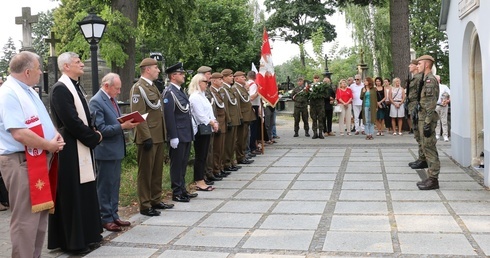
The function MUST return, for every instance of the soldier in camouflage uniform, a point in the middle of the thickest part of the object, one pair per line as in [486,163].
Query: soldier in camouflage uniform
[300,98]
[420,163]
[318,94]
[428,118]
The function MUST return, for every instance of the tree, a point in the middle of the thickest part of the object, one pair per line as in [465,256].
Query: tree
[425,36]
[296,20]
[400,37]
[9,51]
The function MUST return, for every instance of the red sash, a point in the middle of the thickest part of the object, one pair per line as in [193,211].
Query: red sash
[42,182]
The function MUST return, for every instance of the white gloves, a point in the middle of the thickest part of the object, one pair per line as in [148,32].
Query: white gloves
[174,143]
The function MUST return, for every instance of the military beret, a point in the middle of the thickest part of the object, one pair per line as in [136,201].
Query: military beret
[178,67]
[204,69]
[216,76]
[227,72]
[426,57]
[239,73]
[414,61]
[148,61]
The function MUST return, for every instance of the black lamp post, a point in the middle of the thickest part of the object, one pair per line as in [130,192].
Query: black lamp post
[93,28]
[327,73]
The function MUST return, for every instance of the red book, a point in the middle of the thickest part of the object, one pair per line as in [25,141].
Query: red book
[138,118]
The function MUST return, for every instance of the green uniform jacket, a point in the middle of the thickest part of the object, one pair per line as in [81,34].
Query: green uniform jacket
[300,97]
[413,91]
[154,126]
[248,114]
[428,99]
[232,104]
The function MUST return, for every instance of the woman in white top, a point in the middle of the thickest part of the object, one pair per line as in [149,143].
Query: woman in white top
[397,110]
[202,113]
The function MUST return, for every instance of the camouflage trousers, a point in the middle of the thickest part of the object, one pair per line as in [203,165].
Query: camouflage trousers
[430,149]
[301,112]
[416,135]
[317,114]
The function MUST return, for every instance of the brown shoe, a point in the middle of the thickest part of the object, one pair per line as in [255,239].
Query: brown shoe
[112,227]
[122,223]
[429,184]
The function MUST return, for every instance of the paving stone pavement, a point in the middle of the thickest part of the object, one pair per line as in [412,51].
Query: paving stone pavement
[334,197]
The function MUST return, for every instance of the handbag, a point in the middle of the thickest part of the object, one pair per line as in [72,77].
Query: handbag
[203,129]
[383,105]
[337,109]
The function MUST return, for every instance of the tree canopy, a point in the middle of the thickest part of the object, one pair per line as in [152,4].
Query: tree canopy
[296,20]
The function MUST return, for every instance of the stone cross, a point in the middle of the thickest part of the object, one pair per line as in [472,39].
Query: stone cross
[52,44]
[26,20]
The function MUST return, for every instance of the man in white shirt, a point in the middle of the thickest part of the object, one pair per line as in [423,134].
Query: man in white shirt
[356,88]
[254,125]
[442,110]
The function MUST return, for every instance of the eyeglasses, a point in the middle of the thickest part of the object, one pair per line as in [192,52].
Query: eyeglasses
[205,81]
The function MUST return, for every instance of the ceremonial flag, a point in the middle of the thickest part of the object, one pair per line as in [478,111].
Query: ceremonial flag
[266,78]
[254,69]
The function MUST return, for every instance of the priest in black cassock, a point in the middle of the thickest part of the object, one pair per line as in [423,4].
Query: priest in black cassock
[76,223]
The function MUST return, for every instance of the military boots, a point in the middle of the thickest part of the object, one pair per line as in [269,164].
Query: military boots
[428,184]
[420,165]
[307,134]
[315,135]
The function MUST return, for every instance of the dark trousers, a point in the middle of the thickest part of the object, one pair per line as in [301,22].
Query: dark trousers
[201,147]
[108,183]
[327,123]
[4,194]
[254,129]
[178,165]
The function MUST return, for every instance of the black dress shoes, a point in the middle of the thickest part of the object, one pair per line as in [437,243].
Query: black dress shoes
[162,206]
[251,155]
[208,182]
[237,167]
[224,172]
[295,135]
[420,165]
[231,169]
[245,161]
[214,178]
[180,198]
[429,184]
[190,195]
[150,212]
[307,134]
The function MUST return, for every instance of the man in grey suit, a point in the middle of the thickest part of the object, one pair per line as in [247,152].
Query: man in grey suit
[110,152]
[180,134]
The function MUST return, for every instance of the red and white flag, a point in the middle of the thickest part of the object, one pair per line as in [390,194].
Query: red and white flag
[266,78]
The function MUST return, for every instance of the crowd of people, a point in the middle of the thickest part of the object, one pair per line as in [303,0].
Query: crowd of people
[62,170]
[363,107]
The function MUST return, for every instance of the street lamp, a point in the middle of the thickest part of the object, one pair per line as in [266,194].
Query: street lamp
[93,28]
[327,73]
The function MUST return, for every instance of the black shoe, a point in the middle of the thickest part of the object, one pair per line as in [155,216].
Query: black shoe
[251,155]
[237,167]
[420,165]
[307,134]
[150,212]
[430,184]
[180,198]
[163,206]
[223,175]
[208,182]
[295,135]
[320,136]
[226,172]
[314,136]
[190,195]
[245,161]
[423,182]
[214,178]
[79,252]
[414,162]
[231,169]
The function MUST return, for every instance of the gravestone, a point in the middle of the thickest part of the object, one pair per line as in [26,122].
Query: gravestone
[53,72]
[86,80]
[26,20]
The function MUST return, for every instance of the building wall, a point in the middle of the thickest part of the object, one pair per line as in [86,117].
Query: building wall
[460,33]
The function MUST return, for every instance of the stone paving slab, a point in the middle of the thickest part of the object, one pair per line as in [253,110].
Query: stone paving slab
[337,197]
